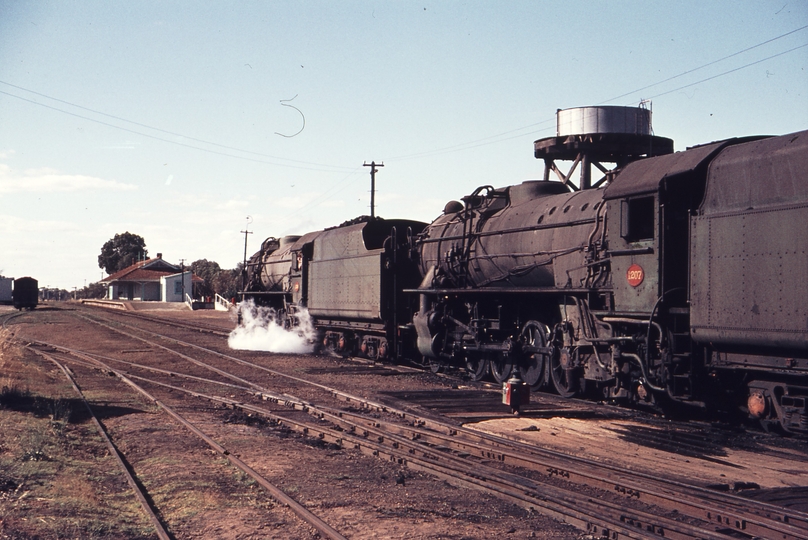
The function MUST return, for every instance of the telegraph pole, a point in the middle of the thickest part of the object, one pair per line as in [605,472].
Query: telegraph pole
[182,279]
[246,231]
[373,166]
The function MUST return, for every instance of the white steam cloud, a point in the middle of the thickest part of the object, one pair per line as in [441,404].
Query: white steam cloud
[260,331]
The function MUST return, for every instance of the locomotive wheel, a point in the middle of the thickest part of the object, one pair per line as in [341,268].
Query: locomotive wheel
[501,367]
[477,366]
[435,365]
[565,379]
[534,334]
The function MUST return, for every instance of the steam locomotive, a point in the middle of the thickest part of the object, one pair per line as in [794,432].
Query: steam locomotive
[676,278]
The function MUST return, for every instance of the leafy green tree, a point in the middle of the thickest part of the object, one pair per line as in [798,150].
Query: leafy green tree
[228,282]
[93,290]
[209,271]
[121,251]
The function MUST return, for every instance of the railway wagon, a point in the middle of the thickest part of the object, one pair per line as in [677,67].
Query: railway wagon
[348,278]
[25,294]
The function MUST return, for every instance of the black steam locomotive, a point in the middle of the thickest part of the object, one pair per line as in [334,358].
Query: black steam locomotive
[678,277]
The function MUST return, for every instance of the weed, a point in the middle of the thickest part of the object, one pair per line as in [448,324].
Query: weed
[12,395]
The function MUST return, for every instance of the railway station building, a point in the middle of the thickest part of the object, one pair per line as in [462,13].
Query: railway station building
[153,280]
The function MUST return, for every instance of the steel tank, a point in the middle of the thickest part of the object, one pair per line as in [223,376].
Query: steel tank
[603,119]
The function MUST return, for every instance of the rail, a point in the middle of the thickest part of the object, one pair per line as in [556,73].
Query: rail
[721,515]
[275,492]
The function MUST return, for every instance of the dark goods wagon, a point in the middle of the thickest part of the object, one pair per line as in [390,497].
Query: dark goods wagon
[25,294]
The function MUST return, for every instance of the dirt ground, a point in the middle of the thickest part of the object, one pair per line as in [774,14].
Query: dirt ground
[58,479]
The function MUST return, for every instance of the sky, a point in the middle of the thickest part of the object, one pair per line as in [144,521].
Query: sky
[185,122]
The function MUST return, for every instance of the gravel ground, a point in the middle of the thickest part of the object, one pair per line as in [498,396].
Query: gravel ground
[57,479]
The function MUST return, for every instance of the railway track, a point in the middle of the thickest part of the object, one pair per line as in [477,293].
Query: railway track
[278,494]
[474,460]
[45,350]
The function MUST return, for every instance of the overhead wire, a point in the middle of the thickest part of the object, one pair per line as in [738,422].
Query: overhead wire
[461,146]
[311,165]
[304,165]
[480,142]
[689,71]
[729,71]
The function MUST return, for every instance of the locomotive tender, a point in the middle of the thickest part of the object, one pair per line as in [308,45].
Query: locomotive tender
[678,277]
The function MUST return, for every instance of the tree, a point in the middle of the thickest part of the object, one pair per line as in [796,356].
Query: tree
[209,271]
[93,290]
[228,282]
[121,251]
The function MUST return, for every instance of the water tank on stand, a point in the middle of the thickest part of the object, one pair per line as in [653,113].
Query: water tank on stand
[591,136]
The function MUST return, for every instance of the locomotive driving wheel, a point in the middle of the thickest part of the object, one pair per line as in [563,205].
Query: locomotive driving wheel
[477,366]
[501,367]
[534,334]
[563,372]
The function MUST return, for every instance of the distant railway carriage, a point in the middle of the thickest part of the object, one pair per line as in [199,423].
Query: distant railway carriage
[25,294]
[678,277]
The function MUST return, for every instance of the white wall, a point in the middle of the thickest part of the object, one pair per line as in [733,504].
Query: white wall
[171,287]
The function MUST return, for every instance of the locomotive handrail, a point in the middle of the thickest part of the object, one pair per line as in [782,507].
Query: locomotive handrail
[635,251]
[512,231]
[505,290]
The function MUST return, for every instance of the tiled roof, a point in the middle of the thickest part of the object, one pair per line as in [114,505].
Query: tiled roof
[148,270]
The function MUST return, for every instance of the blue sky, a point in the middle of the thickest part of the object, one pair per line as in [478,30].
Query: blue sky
[177,120]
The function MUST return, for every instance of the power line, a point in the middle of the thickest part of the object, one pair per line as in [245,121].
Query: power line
[319,166]
[480,142]
[706,65]
[333,168]
[730,71]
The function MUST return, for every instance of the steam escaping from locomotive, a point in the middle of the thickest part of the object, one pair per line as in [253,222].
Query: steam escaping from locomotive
[260,330]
